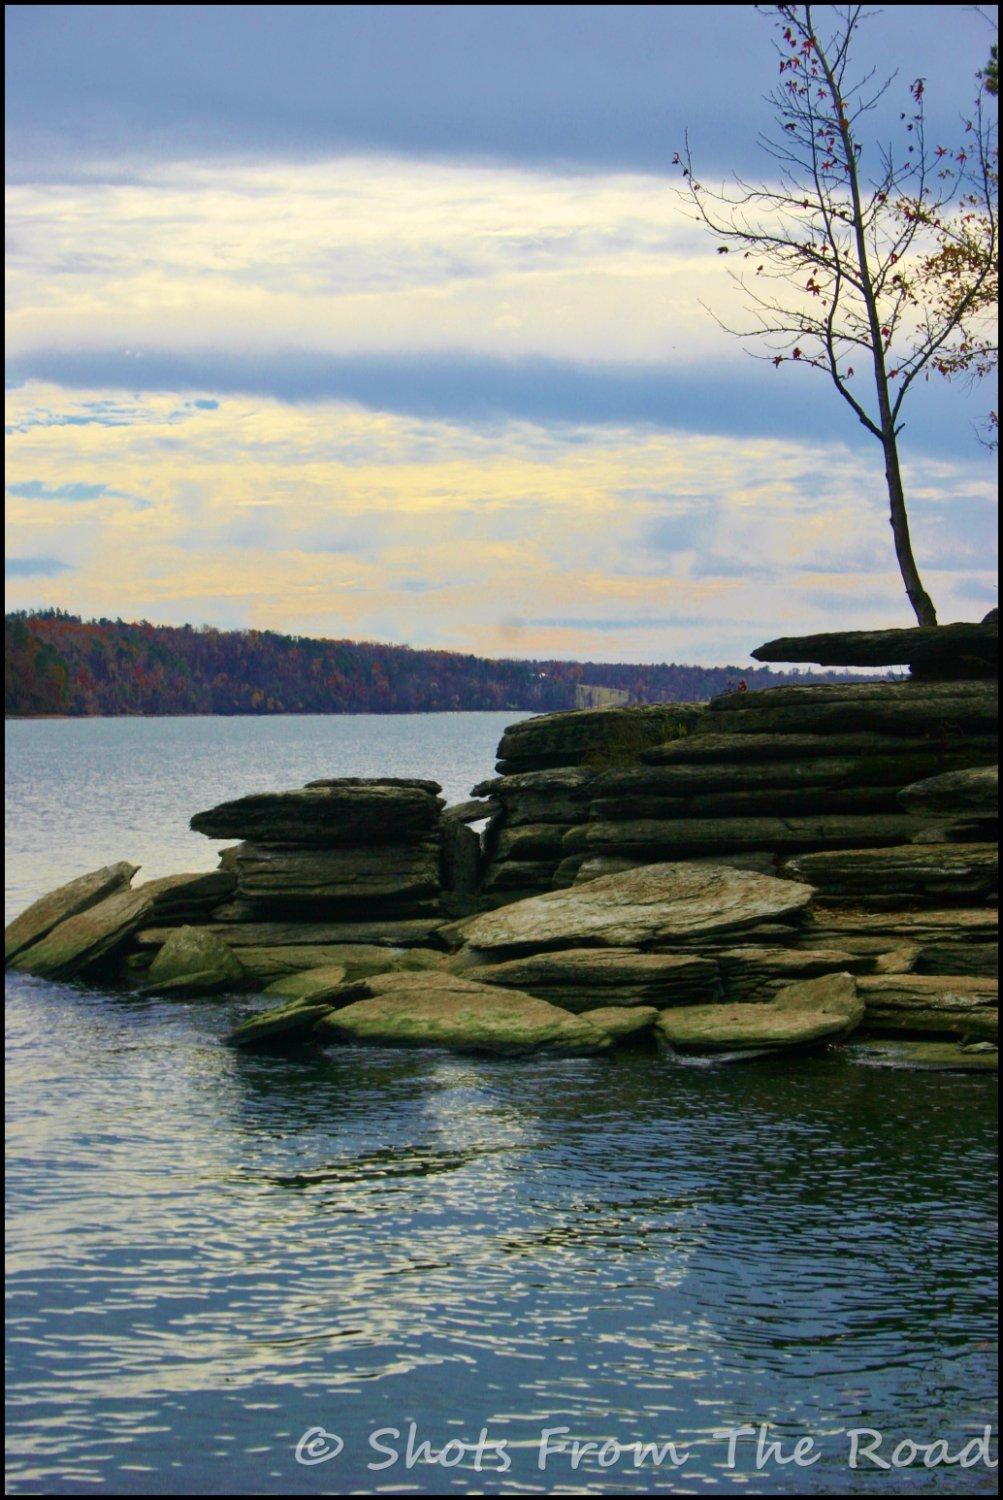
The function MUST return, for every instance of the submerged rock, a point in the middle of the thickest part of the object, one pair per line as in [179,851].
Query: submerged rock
[939,1057]
[813,1010]
[648,907]
[194,962]
[297,1018]
[38,920]
[431,1010]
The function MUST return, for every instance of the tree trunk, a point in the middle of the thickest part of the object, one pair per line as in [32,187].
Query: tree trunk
[899,521]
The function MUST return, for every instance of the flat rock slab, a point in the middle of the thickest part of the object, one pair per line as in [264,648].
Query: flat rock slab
[435,1010]
[974,792]
[620,1023]
[85,939]
[194,962]
[941,711]
[946,870]
[647,907]
[342,814]
[960,1005]
[748,973]
[311,984]
[575,978]
[264,965]
[283,1022]
[963,647]
[67,901]
[387,933]
[388,871]
[679,837]
[708,748]
[593,734]
[967,923]
[930,1057]
[810,1011]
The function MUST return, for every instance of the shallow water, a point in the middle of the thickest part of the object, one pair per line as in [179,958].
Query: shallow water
[211,1253]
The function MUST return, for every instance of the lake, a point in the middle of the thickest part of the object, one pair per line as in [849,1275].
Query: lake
[212,1255]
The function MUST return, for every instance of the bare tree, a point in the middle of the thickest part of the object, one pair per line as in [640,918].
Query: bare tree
[836,241]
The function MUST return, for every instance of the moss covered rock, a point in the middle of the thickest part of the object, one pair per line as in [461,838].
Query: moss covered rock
[38,920]
[814,1010]
[446,1010]
[194,962]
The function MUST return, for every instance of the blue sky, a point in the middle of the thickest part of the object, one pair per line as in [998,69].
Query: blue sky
[386,322]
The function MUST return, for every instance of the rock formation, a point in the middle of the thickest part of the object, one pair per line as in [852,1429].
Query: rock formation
[773,869]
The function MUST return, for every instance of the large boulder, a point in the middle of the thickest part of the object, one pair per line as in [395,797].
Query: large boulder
[347,813]
[446,1010]
[577,979]
[194,962]
[67,901]
[652,906]
[804,1013]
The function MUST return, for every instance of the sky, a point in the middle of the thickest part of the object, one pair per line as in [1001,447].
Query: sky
[389,323]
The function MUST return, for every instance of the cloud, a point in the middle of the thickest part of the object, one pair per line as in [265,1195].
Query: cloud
[739,400]
[576,85]
[603,542]
[34,567]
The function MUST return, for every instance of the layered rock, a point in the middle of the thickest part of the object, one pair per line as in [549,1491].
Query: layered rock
[578,978]
[549,765]
[86,941]
[336,849]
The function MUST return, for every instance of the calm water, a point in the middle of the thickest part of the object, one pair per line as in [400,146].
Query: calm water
[210,1253]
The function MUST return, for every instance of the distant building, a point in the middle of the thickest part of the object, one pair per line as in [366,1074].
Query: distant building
[587,696]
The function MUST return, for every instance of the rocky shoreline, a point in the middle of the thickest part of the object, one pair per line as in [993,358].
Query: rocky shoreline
[771,871]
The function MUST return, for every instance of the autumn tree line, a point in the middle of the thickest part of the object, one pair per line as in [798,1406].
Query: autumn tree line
[58,663]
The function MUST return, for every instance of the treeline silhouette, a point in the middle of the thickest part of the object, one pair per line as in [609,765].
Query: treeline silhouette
[58,663]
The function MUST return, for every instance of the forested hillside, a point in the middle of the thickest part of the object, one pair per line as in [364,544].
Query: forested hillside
[56,663]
